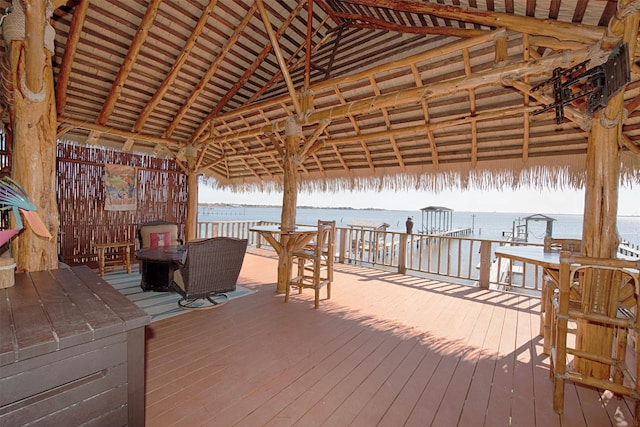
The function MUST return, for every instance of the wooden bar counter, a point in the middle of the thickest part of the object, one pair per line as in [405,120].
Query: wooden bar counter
[71,351]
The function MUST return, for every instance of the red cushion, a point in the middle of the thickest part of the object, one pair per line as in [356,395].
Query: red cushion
[158,240]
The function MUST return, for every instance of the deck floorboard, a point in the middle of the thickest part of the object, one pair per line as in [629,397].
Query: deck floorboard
[386,350]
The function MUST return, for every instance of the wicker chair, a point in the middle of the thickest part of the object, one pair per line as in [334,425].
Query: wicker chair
[210,270]
[315,263]
[609,299]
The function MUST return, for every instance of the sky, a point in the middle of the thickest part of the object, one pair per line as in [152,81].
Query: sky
[522,200]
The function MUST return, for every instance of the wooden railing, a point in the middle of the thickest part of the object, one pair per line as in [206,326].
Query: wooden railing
[463,259]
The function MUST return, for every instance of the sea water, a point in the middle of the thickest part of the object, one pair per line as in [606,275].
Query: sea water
[484,225]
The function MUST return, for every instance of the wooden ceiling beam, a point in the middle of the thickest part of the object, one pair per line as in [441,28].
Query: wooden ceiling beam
[496,76]
[405,131]
[307,50]
[210,73]
[529,25]
[73,37]
[292,64]
[388,124]
[312,141]
[170,78]
[526,50]
[129,61]
[82,124]
[425,112]
[500,56]
[249,71]
[379,24]
[364,74]
[279,56]
[356,128]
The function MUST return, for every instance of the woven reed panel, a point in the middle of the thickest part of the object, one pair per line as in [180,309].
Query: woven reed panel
[161,194]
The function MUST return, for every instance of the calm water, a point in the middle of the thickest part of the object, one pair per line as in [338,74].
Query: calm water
[486,225]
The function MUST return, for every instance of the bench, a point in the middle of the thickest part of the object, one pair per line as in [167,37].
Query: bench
[115,254]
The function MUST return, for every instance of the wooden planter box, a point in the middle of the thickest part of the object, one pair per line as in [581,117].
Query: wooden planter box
[71,351]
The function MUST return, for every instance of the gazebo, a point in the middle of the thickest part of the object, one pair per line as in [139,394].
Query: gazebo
[331,95]
[436,219]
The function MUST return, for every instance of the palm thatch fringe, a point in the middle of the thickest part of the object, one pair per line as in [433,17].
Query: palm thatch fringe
[560,172]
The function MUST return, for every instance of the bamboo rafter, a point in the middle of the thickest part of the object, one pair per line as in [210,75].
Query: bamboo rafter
[177,66]
[495,76]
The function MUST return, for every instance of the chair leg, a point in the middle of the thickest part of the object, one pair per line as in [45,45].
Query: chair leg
[547,315]
[560,367]
[558,395]
[621,354]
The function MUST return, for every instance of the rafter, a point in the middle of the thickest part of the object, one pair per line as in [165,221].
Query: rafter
[210,72]
[175,69]
[79,15]
[380,24]
[279,56]
[563,31]
[129,61]
[495,76]
[250,70]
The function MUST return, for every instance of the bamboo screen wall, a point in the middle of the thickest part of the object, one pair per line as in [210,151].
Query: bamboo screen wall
[5,168]
[161,194]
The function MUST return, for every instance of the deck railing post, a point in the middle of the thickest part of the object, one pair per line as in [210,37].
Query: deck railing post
[485,264]
[402,253]
[342,247]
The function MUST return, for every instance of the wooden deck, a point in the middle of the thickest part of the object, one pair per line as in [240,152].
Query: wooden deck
[387,350]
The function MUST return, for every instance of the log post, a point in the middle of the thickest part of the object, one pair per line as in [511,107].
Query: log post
[34,129]
[289,195]
[599,233]
[290,184]
[190,228]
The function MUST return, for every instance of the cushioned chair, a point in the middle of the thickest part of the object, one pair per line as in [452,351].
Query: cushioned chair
[315,263]
[153,234]
[608,301]
[210,270]
[158,233]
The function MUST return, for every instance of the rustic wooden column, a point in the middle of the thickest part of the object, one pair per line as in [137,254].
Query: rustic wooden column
[289,196]
[190,228]
[599,233]
[290,184]
[34,130]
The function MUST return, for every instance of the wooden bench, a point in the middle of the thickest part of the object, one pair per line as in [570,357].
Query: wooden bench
[115,254]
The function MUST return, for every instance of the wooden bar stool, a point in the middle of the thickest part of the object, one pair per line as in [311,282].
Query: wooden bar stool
[608,299]
[315,263]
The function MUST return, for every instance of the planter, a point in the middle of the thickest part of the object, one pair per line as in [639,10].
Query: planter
[7,272]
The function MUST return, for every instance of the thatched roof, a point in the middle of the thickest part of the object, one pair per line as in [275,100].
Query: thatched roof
[395,94]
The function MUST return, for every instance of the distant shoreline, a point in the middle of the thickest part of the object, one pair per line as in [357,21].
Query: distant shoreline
[242,205]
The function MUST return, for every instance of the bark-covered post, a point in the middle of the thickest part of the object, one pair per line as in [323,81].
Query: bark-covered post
[29,40]
[599,233]
[190,228]
[290,184]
